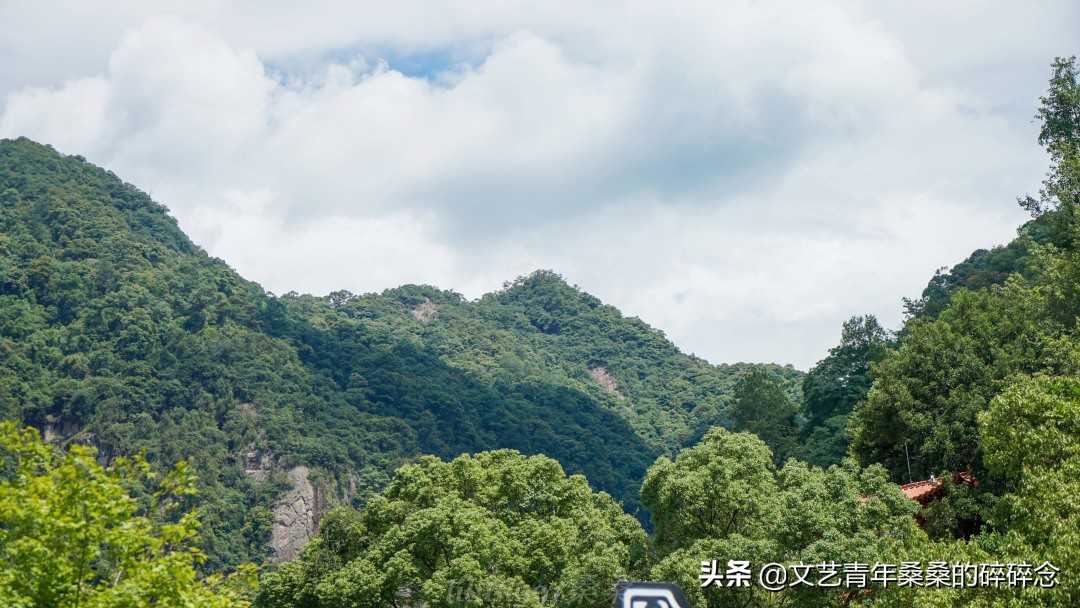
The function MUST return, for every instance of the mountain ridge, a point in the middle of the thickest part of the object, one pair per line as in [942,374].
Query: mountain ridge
[119,331]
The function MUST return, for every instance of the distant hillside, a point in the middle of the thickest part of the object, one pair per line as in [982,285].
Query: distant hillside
[117,331]
[987,267]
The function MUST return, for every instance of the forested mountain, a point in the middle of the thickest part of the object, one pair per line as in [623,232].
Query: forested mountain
[118,332]
[983,377]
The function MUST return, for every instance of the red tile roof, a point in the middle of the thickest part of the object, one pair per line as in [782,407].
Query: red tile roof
[929,489]
[921,491]
[967,478]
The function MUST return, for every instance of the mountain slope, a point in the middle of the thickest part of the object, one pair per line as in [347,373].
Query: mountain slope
[116,330]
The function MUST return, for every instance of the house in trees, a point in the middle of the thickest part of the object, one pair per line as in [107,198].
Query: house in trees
[928,490]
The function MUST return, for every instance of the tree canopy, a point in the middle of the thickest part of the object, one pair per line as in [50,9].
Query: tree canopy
[131,350]
[494,529]
[724,499]
[116,330]
[762,406]
[1059,114]
[71,535]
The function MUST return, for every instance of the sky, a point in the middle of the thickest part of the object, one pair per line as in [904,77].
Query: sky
[742,175]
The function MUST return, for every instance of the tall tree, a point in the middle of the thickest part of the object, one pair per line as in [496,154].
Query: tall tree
[930,391]
[71,536]
[842,379]
[724,499]
[1060,134]
[494,529]
[833,387]
[762,407]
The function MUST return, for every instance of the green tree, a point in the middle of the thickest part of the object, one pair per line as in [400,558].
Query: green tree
[72,536]
[1031,435]
[494,529]
[722,486]
[1031,438]
[1060,135]
[762,406]
[723,499]
[833,387]
[842,379]
[929,392]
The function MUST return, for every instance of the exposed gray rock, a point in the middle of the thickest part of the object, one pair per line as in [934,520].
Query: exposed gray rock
[607,381]
[58,431]
[296,517]
[425,312]
[258,464]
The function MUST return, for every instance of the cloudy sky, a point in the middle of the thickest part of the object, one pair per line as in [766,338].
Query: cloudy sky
[743,175]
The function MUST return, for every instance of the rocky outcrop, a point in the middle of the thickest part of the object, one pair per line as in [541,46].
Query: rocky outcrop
[296,517]
[58,431]
[425,312]
[607,382]
[258,464]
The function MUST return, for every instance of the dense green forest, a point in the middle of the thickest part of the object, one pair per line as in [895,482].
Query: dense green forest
[118,333]
[566,447]
[980,388]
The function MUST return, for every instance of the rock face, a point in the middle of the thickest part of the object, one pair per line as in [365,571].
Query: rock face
[607,382]
[425,312]
[258,464]
[296,517]
[52,432]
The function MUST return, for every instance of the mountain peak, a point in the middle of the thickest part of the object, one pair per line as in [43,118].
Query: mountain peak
[79,202]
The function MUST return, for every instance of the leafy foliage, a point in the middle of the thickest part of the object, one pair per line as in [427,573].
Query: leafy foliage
[497,528]
[724,499]
[1031,441]
[117,331]
[762,407]
[842,379]
[1060,134]
[71,535]
[1059,114]
[975,340]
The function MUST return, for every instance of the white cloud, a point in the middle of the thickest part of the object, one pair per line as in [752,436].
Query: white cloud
[324,254]
[70,118]
[744,176]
